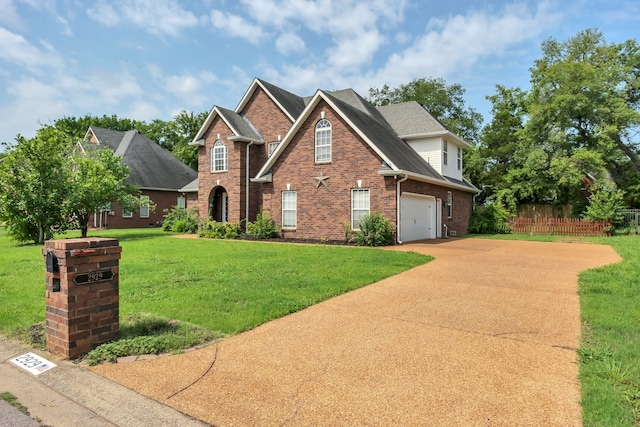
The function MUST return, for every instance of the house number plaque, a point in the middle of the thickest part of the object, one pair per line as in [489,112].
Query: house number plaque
[93,277]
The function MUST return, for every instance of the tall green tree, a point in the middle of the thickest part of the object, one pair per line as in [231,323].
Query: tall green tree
[444,101]
[96,178]
[33,186]
[580,118]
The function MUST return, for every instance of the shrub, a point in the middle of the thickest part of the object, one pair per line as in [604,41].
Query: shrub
[263,227]
[375,230]
[180,220]
[220,230]
[606,203]
[490,219]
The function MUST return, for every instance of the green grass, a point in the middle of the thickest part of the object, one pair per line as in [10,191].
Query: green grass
[225,287]
[13,401]
[610,352]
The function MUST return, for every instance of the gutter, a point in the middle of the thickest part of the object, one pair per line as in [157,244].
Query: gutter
[246,201]
[423,178]
[398,206]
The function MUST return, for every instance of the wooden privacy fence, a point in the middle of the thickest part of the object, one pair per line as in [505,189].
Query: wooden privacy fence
[560,226]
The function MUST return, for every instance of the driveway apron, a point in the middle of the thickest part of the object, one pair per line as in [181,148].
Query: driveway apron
[486,334]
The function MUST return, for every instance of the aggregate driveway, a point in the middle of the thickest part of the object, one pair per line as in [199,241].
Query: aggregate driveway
[486,334]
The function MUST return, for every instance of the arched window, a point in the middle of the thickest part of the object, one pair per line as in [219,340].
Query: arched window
[323,141]
[218,157]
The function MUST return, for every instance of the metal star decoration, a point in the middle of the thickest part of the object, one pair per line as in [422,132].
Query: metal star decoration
[322,180]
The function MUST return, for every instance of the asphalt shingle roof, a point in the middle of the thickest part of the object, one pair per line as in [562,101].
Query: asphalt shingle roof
[240,124]
[381,134]
[150,165]
[294,104]
[410,118]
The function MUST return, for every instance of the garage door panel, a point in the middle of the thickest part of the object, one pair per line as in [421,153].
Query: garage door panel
[417,217]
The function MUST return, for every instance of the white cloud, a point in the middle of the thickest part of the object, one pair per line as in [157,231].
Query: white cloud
[289,43]
[9,16]
[104,13]
[237,26]
[144,110]
[158,17]
[462,40]
[16,50]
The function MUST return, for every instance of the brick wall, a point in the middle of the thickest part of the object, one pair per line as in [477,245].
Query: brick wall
[322,210]
[462,203]
[162,199]
[82,296]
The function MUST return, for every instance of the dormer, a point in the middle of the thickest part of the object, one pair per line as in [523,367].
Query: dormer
[437,145]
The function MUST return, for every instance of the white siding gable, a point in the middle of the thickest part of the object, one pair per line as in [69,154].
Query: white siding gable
[431,150]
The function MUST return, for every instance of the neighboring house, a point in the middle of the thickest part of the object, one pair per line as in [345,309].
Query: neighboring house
[161,177]
[321,163]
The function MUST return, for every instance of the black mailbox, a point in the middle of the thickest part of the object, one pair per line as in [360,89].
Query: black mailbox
[51,261]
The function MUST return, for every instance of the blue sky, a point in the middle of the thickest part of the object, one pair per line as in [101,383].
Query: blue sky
[147,59]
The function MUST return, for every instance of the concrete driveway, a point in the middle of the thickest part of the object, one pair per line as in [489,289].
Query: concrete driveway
[484,335]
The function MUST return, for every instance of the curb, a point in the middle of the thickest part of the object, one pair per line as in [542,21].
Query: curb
[70,395]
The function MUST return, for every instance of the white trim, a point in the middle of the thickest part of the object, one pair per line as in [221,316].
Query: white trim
[319,95]
[423,178]
[445,133]
[249,93]
[366,191]
[294,210]
[144,206]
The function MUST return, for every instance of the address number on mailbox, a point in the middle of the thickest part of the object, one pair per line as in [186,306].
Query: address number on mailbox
[94,276]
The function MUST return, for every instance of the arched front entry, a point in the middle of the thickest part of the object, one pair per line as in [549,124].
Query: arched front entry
[218,204]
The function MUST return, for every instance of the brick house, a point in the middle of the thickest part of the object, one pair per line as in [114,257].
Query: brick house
[317,163]
[161,177]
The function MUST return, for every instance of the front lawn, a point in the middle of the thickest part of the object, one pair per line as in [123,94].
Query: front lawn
[224,286]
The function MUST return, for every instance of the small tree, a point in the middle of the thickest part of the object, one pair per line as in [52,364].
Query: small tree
[605,203]
[33,186]
[95,179]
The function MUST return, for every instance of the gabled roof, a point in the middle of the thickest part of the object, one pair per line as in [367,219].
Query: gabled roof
[290,104]
[242,129]
[151,167]
[411,120]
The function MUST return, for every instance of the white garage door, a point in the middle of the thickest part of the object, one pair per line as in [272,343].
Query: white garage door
[417,217]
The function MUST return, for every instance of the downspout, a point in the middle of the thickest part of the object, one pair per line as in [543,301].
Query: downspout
[246,202]
[398,207]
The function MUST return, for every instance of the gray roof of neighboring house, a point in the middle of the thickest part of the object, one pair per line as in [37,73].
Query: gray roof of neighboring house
[410,118]
[384,137]
[150,165]
[240,124]
[294,104]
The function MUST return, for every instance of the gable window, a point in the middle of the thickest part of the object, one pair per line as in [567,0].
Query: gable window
[272,147]
[449,204]
[218,157]
[445,154]
[289,202]
[459,158]
[359,206]
[323,141]
[144,206]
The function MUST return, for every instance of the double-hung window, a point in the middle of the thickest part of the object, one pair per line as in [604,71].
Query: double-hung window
[449,204]
[144,206]
[445,152]
[359,206]
[323,141]
[218,157]
[459,158]
[289,207]
[181,202]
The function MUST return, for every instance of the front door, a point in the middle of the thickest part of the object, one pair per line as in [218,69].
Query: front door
[218,204]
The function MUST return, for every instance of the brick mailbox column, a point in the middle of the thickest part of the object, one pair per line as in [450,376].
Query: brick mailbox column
[82,294]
